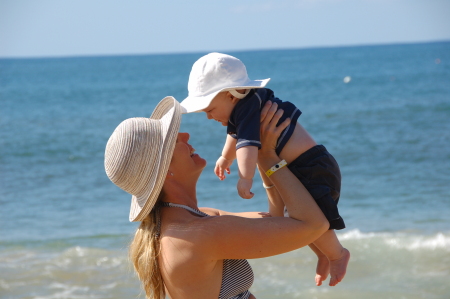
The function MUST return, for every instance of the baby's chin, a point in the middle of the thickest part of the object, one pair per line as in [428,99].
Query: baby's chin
[224,124]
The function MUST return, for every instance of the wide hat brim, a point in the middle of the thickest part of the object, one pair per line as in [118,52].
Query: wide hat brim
[198,103]
[168,113]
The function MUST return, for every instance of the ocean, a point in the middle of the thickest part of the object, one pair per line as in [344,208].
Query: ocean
[382,111]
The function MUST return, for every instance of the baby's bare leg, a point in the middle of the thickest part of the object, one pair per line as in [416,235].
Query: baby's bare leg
[337,255]
[323,265]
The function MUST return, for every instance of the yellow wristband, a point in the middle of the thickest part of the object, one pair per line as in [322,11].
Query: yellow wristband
[276,167]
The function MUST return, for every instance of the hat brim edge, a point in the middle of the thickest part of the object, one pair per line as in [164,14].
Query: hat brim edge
[193,104]
[151,197]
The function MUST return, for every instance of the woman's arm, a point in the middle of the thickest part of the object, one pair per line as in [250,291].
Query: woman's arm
[242,238]
[217,212]
[276,204]
[285,180]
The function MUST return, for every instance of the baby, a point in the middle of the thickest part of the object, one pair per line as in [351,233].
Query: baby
[219,85]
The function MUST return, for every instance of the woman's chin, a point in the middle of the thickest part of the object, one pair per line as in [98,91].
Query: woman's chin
[197,158]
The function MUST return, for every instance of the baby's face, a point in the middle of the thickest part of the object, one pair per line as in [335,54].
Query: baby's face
[221,107]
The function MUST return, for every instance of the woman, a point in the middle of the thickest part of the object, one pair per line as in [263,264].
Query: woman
[187,252]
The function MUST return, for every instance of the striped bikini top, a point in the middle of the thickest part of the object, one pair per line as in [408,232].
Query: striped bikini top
[237,275]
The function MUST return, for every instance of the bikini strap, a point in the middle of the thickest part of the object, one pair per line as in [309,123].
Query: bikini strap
[175,205]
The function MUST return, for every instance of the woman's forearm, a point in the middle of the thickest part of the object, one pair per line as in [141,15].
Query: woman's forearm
[276,204]
[296,198]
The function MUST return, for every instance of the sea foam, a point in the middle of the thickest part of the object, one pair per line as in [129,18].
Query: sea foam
[401,240]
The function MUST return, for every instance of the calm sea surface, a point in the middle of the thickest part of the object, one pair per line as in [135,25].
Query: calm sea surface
[64,227]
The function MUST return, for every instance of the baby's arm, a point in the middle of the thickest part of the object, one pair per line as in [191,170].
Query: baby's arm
[228,155]
[247,157]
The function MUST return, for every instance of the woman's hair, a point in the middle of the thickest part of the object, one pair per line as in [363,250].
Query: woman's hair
[144,251]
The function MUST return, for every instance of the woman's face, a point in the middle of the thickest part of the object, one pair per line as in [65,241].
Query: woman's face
[184,160]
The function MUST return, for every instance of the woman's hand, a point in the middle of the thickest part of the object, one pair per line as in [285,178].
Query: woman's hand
[269,131]
[269,135]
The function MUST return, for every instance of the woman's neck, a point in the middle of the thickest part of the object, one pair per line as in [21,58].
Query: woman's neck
[180,194]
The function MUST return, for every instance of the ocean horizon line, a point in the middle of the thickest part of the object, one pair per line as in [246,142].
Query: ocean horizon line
[169,53]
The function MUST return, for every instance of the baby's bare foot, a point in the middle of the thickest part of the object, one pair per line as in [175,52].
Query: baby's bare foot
[338,267]
[322,269]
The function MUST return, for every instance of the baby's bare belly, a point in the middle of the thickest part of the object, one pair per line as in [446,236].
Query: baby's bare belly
[299,143]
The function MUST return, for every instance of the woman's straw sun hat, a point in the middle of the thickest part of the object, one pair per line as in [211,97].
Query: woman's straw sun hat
[212,74]
[139,152]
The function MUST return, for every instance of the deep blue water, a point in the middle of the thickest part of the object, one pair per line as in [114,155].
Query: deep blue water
[388,128]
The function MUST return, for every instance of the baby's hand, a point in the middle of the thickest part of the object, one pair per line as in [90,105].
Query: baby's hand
[222,165]
[244,186]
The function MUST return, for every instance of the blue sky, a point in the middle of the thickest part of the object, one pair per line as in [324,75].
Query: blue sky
[42,28]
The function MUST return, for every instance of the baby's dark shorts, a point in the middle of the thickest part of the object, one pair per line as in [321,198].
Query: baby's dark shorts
[319,173]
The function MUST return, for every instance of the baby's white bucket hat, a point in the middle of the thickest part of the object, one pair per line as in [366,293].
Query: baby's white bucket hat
[212,74]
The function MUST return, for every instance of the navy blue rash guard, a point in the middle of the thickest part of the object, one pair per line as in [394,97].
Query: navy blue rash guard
[244,123]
